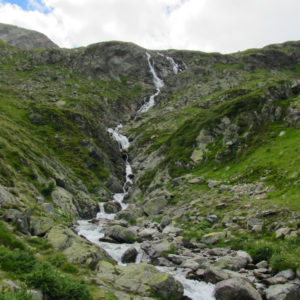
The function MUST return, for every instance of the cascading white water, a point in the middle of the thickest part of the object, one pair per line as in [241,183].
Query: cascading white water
[195,290]
[174,65]
[158,83]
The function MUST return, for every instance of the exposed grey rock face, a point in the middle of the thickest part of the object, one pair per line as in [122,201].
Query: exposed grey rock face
[24,38]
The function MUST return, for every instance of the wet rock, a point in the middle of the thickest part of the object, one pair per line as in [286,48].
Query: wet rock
[40,225]
[236,288]
[213,275]
[212,238]
[121,234]
[114,185]
[129,256]
[176,259]
[288,291]
[112,207]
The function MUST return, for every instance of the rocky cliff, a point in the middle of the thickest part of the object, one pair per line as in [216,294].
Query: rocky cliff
[215,190]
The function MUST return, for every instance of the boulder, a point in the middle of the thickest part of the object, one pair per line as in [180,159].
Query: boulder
[287,291]
[40,225]
[64,201]
[236,288]
[76,249]
[86,207]
[49,208]
[11,215]
[255,224]
[6,197]
[112,207]
[23,222]
[147,233]
[234,263]
[212,238]
[155,206]
[145,280]
[121,234]
[131,212]
[129,256]
[172,230]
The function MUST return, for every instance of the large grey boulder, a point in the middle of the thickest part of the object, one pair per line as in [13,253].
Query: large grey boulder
[76,249]
[234,263]
[146,280]
[288,291]
[64,201]
[236,288]
[121,234]
[40,225]
[25,38]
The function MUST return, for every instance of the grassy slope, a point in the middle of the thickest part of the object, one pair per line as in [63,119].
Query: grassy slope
[269,154]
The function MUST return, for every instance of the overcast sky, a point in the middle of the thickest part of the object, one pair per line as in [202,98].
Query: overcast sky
[207,25]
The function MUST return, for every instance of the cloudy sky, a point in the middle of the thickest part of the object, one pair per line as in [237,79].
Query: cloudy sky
[207,25]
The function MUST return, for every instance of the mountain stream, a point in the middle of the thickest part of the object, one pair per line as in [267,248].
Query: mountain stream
[195,290]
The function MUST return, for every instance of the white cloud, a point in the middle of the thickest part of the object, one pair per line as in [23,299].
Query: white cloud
[207,25]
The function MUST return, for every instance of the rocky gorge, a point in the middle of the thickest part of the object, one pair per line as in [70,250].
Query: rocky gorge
[194,196]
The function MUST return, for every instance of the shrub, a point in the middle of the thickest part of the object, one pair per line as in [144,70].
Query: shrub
[17,261]
[16,295]
[55,286]
[8,239]
[47,190]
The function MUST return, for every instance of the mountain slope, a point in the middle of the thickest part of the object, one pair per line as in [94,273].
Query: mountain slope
[217,154]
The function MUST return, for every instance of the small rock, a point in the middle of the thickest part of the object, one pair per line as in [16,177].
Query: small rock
[221,206]
[282,232]
[253,222]
[129,256]
[262,264]
[166,220]
[212,238]
[171,230]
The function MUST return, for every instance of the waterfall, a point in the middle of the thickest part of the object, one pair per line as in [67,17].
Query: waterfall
[193,289]
[158,83]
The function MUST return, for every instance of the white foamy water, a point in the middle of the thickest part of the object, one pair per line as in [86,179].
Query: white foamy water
[194,289]
[158,83]
[117,136]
